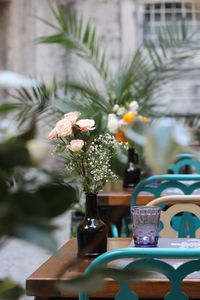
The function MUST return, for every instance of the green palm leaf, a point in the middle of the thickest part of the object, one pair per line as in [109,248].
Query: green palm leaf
[78,37]
[139,78]
[34,101]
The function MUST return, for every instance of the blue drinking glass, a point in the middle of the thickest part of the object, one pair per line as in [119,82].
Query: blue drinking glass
[145,220]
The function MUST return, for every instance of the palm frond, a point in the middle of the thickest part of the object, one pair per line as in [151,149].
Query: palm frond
[89,93]
[36,100]
[155,64]
[78,36]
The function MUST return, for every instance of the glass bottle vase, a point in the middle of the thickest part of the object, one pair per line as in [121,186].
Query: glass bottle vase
[131,176]
[92,232]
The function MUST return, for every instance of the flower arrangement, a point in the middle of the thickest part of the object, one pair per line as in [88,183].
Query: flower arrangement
[87,155]
[121,117]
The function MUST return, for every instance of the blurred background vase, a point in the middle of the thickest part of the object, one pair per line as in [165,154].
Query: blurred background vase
[92,232]
[132,172]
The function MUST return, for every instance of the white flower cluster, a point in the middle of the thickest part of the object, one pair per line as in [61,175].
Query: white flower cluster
[98,158]
[116,120]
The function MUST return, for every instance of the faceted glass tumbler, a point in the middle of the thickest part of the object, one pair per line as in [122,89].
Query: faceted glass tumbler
[145,220]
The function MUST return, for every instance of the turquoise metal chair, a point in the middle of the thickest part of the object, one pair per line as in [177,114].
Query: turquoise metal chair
[186,161]
[156,185]
[149,259]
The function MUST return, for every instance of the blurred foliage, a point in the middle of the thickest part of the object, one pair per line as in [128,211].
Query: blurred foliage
[94,281]
[30,195]
[29,201]
[10,290]
[161,142]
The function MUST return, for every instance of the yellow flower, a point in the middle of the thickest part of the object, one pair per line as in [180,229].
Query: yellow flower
[129,117]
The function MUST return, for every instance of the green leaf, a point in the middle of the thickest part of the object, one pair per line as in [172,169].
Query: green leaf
[36,235]
[30,133]
[78,36]
[8,107]
[34,101]
[92,282]
[10,290]
[3,189]
[12,154]
[161,152]
[58,198]
[95,280]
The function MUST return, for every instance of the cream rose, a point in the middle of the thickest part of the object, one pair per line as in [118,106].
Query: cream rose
[75,145]
[64,127]
[86,124]
[133,106]
[121,111]
[113,123]
[53,134]
[72,116]
[115,108]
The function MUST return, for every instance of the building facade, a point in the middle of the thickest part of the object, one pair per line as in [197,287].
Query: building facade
[122,26]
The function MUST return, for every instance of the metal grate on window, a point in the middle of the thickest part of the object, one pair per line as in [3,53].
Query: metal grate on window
[157,14]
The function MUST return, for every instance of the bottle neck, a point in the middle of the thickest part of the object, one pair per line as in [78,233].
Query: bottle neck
[132,156]
[91,209]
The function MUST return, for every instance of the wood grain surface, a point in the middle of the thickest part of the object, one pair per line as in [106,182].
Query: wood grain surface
[42,282]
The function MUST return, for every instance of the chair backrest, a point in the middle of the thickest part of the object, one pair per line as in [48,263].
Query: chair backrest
[157,186]
[179,204]
[185,162]
[149,260]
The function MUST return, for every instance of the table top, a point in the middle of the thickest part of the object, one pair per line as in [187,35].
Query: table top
[42,282]
[114,194]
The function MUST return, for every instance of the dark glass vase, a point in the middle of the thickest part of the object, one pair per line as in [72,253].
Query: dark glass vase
[132,172]
[92,233]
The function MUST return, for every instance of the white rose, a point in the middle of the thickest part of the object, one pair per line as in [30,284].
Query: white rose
[64,127]
[53,134]
[113,123]
[75,145]
[133,106]
[73,116]
[121,111]
[86,124]
[115,108]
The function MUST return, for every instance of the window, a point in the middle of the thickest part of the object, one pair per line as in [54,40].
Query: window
[161,13]
[180,96]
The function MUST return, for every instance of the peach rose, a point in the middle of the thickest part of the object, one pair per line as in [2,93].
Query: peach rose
[86,124]
[53,134]
[75,145]
[64,127]
[72,116]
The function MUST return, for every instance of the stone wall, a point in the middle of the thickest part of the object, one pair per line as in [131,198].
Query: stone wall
[117,26]
[19,29]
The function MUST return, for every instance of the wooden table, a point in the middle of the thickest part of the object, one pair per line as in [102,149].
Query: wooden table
[41,283]
[114,194]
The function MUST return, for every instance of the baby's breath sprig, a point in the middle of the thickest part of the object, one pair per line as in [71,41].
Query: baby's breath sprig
[87,157]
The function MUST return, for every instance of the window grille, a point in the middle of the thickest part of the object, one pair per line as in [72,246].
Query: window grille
[161,13]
